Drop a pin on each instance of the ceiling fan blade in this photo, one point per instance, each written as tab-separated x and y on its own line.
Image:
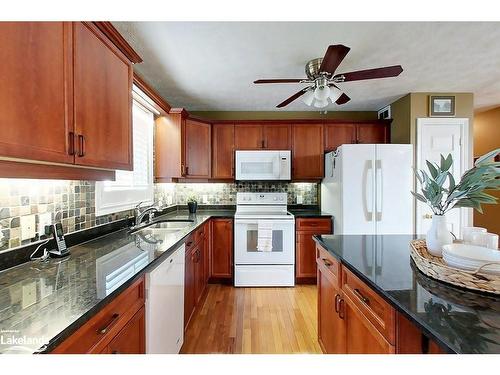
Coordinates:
333	57
388	71
292	98
342	99
290	80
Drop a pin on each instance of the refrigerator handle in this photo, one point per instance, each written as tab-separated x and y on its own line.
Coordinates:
367	192
378	190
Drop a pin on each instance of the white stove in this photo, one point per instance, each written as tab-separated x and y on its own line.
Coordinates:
264	240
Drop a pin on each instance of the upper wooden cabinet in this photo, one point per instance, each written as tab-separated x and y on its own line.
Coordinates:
307	150
35	100
182	147
223	151
339	133
269	136
103	100
197	149
65	96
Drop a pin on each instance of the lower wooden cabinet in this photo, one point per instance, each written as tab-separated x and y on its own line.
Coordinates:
131	339
305	247
221	256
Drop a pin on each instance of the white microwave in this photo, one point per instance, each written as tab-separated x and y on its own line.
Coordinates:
263	165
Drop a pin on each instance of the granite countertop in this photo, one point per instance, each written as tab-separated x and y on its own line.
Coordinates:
460	321
41	304
308	212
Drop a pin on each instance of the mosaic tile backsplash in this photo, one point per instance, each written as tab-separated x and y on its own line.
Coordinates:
73	202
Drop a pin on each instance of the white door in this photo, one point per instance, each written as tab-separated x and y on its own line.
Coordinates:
393	184
436	137
358	193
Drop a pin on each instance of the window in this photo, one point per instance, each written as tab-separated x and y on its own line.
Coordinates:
131	187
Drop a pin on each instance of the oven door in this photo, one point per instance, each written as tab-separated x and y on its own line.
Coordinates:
245	243
263	165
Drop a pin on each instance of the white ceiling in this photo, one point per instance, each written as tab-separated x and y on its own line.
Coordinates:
208	66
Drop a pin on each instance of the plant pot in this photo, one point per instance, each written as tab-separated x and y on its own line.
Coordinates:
192	206
438	236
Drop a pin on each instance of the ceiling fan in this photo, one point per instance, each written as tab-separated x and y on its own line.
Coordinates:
322	79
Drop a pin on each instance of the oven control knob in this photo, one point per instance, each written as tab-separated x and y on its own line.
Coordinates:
281	198
275	198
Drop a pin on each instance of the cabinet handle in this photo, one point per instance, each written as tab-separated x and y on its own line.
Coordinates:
112	321
341	308
183	170
71	142
187	169
81	145
326	262
262	144
189	243
337	298
361	296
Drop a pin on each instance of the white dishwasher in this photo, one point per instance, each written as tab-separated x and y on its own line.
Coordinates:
165	305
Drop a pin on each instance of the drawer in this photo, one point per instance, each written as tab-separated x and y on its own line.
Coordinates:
328	264
316	225
371	304
95	334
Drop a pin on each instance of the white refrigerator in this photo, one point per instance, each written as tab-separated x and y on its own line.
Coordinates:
367	189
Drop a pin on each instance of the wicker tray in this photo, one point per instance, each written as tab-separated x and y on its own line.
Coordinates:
437	269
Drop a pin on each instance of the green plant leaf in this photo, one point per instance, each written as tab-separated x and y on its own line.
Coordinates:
432	169
452	181
486	157
420	197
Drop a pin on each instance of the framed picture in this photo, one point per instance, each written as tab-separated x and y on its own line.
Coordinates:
441	106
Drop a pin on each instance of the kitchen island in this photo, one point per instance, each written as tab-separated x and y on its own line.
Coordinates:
377	275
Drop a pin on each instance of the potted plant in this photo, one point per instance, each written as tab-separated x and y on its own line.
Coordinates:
469	192
192	204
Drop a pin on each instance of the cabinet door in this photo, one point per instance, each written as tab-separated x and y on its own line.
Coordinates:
36	91
198	149
248	137
189	286
199	272
331	329
223	151
307	151
222	248
361	336
131	339
339	134
277	136
305	255
372	133
206	251
102	101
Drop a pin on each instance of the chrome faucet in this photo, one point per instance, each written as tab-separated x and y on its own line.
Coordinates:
139	215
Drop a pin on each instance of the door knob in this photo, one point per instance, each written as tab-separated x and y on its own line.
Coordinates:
427	216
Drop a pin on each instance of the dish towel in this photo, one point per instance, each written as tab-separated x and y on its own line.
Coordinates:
264	235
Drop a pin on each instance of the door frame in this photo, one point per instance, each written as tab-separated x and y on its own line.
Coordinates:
466	214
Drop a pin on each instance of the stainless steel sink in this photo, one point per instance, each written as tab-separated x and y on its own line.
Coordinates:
165	226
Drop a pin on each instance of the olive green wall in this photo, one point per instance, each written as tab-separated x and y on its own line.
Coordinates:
284	115
400	127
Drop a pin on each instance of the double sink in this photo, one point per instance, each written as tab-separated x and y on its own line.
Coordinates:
164	226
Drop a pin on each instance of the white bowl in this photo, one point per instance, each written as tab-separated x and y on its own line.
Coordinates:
490	269
472	253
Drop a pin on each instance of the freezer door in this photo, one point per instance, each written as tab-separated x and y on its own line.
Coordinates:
358	193
394	202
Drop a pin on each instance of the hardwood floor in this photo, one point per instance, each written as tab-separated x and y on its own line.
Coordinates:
255	320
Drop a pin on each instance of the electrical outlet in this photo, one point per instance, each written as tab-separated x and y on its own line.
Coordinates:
29	294
204	199
43	220
28	229
300	199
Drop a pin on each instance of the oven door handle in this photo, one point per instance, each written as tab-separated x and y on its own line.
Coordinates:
255	222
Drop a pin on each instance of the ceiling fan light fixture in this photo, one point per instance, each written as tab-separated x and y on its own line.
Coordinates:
321	93
321	103
335	93
308	97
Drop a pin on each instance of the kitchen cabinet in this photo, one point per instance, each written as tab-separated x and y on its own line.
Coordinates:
110	329
305	247
268	136
221	257
338	133
223	151
131	339
66	99
182	147
307	152
331	328
102	101
189	285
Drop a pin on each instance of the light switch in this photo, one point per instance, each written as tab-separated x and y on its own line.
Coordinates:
28	229
43	220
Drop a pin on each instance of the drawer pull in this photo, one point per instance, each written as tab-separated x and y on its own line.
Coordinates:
361	296
189	243
106	328
327	263
341	308
337	298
